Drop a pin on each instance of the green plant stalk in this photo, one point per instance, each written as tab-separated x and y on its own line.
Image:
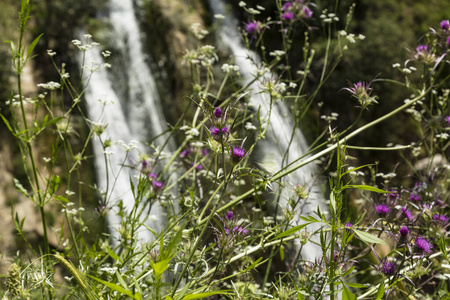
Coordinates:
325	151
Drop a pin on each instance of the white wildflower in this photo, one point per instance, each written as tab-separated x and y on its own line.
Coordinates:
49	85
242	4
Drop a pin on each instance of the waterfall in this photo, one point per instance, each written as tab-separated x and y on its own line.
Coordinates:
279	133
131	113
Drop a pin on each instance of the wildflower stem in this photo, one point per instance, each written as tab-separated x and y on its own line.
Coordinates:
325	151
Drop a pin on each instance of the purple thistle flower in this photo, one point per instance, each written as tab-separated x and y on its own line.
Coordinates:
205	152
225	130
423	246
237	153
392	195
240	230
407	213
404	231
157	184
215	131
388	268
252	28
445	24
218	112
286	5
153	175
348	225
382	209
308	12
287	16
185	153
229	215
421	49
415	197
198	167
144	163
227	231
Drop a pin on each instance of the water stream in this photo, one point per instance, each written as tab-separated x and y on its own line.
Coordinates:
133	112
271	149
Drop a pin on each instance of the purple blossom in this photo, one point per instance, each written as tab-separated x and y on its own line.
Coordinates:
388	268
205	152
157	184
445	24
441	218
237	153
240	230
153	175
421	49
286	6
219	132
448	41
218	112
229	215
308	12
404	231
252	28
382	209
198	167
185	153
407	213
144	163
287	16
415	196
348	225
423	246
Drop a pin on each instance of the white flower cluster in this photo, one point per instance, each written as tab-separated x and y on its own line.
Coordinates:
229	68
198	31
332	117
328	17
351	37
204	55
128	147
16	101
49	85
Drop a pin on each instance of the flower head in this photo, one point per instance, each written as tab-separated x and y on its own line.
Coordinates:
362	92
288	15
404	231
252	28
217	112
423	246
237	153
407	213
308	12
424	54
229	215
388	268
286	6
445	24
382	209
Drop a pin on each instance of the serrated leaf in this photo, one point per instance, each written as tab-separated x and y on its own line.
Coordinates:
369	238
347	295
366	188
291	231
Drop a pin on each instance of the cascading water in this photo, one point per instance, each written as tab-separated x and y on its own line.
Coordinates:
281	125
134	115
